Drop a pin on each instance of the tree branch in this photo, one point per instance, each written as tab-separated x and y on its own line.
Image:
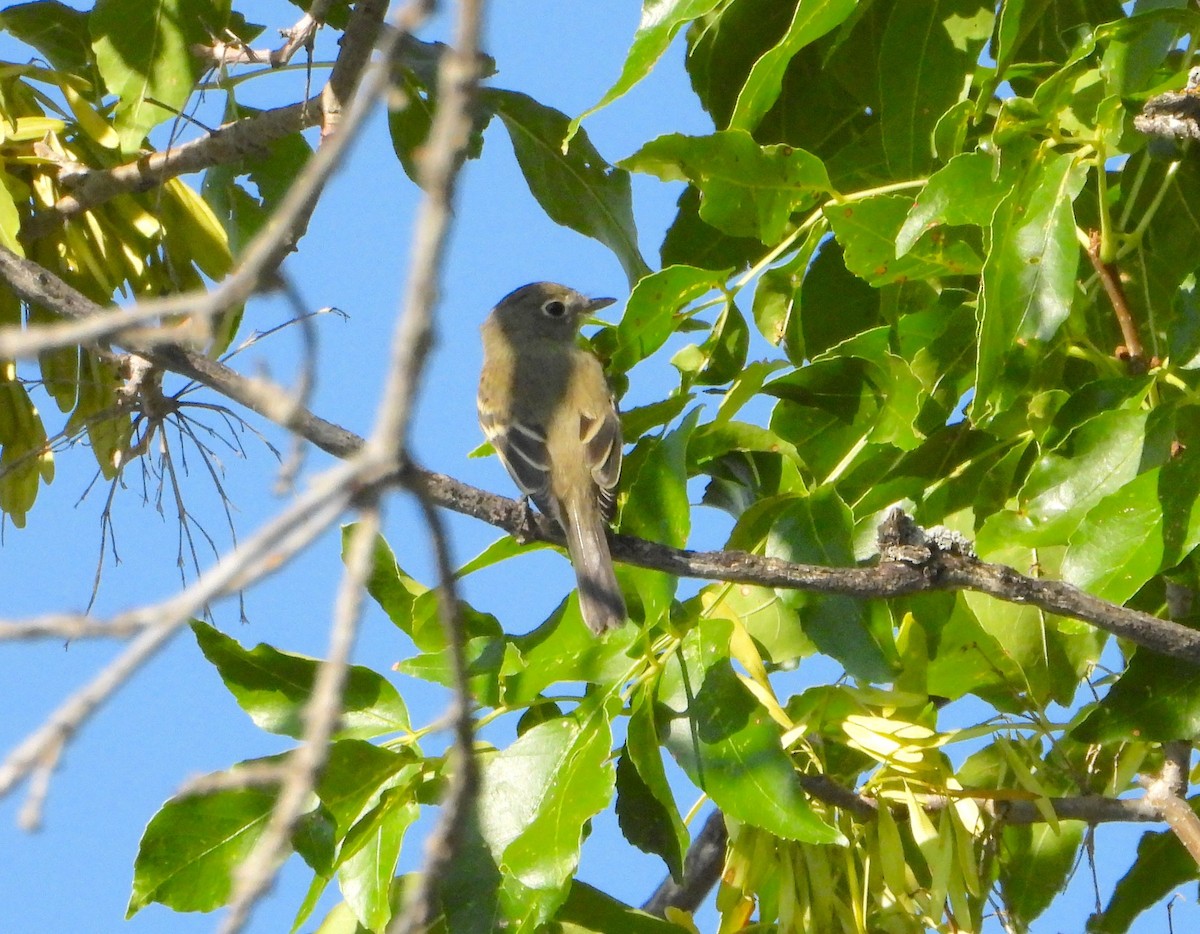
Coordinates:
233	141
932	569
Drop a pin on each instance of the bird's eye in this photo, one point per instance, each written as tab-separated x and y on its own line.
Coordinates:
554	308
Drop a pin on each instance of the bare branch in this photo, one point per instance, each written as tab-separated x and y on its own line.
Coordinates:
701	871
446	840
261	554
255	875
237	53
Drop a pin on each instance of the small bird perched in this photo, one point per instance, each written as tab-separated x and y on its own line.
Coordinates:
546	407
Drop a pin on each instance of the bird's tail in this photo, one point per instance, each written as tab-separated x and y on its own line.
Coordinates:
600	597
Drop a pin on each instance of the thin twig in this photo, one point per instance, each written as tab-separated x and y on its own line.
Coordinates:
296	38
255	875
446	840
259	555
1110	278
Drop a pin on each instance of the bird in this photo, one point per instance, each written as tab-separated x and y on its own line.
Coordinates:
546	407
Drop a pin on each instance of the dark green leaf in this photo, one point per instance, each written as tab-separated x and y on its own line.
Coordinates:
1037	866
590	911
692	242
1157	699
835	305
57	32
578	189
927	51
274	688
1162	864
818	529
646	809
811	20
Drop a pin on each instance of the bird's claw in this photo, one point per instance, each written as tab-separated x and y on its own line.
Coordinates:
523	533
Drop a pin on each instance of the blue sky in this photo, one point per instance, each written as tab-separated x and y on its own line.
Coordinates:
175	720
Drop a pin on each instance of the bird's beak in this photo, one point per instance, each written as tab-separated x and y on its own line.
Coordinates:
594	305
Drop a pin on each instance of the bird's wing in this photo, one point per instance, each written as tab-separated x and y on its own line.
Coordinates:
600	434
521	448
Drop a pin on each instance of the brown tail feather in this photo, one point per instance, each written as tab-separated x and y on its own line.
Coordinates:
600	597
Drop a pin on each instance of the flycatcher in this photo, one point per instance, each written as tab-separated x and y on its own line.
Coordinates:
546	407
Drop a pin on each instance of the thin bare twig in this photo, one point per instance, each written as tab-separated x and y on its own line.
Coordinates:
255	875
296	38
276	240
261	554
446	840
1110	278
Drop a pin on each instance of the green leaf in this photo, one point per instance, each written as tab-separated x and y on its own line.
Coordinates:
726	742
57	32
774	625
391	588
365	875
536	795
646	809
274	687
143	51
777	296
590	911
356	774
1162	864
811	20
1156	699
578	188
655	506
868	231
661	20
746	190
1037	864
966	190
818	529
722	355
638	421
1118	546
650	314
1029	275
193	845
554	652
1101	456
